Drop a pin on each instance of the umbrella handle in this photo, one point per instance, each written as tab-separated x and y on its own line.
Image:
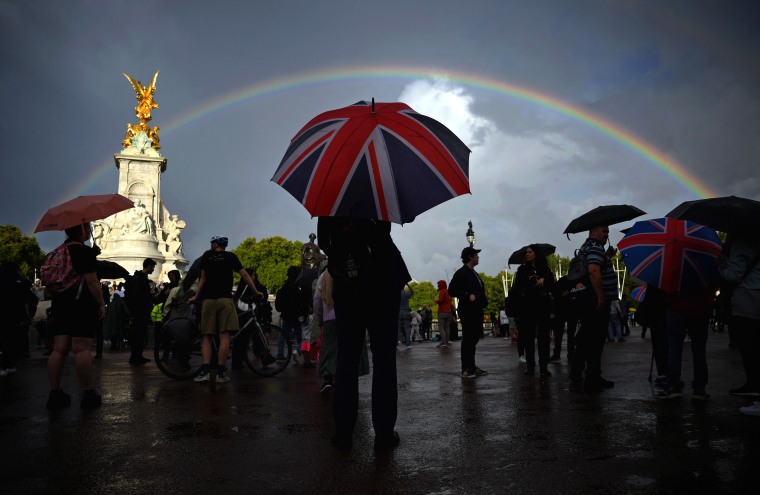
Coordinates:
373	105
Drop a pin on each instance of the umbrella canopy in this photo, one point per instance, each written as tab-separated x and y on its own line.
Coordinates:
637	294
518	257
603	215
672	255
728	214
379	161
111	270
81	210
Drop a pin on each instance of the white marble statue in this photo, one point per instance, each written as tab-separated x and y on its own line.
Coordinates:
173	229
140	221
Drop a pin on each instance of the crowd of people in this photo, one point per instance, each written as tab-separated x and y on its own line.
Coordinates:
322	306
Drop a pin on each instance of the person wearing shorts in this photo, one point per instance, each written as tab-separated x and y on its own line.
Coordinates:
218	315
77	313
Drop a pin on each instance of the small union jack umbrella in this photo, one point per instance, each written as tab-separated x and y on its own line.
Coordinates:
672	255
379	161
637	294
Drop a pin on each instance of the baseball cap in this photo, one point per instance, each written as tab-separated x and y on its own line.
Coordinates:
467	252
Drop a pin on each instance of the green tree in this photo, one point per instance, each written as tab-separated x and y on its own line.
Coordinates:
20	249
423	293
271	257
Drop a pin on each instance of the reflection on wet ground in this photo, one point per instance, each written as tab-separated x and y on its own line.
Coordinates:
502	433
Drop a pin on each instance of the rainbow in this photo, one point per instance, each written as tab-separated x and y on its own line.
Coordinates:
298	81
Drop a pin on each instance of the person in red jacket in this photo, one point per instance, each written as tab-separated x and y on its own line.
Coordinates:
444	313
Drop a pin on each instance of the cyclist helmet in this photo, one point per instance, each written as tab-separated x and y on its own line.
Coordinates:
222	241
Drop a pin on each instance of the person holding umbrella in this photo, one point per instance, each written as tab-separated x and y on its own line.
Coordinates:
533	283
365	266
589	342
77	311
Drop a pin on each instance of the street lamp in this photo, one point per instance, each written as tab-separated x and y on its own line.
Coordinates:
470	235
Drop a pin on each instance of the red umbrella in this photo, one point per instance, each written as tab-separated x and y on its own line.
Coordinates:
379	161
82	210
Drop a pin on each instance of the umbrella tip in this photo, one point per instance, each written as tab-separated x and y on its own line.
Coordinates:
373	104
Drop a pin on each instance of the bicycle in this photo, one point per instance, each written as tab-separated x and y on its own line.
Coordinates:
177	348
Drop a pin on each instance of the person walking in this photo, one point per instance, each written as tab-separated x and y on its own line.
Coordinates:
533	283
566	320
293	303
218	313
140	303
77	310
589	341
365	266
324	311
467	286
444	313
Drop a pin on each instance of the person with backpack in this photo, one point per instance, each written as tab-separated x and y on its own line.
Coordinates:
140	303
69	273
15	293
594	315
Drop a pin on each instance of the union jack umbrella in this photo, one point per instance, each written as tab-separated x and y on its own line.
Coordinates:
379	161
672	255
638	293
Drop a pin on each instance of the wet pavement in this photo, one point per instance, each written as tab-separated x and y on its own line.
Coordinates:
501	433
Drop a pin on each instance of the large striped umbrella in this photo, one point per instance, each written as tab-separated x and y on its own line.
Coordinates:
379	161
672	255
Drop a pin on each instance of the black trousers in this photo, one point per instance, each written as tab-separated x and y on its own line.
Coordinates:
138	335
353	318
589	344
535	327
747	337
659	336
472	329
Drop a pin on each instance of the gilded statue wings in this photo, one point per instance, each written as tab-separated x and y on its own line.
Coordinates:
141	91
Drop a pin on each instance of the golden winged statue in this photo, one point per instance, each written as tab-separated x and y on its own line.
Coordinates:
142	112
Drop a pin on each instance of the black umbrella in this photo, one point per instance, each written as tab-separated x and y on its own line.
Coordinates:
111	270
727	214
518	257
603	215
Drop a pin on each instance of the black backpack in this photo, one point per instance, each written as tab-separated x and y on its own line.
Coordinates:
582	295
289	300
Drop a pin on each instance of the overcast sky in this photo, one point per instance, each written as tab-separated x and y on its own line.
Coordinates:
681	78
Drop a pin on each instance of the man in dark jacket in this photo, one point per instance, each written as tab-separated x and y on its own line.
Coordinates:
140	303
468	288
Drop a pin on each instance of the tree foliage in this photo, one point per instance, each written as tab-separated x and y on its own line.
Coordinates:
423	294
271	257
20	249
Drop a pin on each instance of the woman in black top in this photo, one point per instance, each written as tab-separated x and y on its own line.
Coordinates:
533	283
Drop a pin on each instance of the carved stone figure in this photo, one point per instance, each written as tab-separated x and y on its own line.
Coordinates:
173	229
140	221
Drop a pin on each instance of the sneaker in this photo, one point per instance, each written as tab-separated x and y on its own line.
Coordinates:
753	410
480	372
670	393
90	400
222	377
203	376
606	383
745	391
523	359
281	359
699	395
468	374
58	399
661	381
326	387
444	346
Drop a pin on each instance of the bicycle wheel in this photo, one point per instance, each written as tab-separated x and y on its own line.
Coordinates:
262	355
177	349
